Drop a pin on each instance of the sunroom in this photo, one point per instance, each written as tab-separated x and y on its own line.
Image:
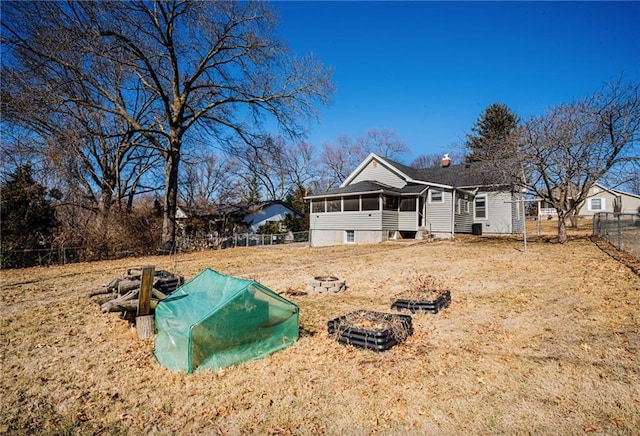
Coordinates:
366	212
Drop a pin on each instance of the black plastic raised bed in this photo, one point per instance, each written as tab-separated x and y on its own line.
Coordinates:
433	306
386	331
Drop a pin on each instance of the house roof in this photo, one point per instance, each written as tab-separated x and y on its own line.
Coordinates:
616	191
369	187
255	207
240	210
469	175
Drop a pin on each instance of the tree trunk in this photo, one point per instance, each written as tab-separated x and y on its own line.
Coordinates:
171	195
104	208
562	228
573	219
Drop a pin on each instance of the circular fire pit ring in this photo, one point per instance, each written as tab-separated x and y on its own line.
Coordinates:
322	284
326	278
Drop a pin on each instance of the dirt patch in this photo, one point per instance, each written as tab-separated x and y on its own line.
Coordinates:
545	341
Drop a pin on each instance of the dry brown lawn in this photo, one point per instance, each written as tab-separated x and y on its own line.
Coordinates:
542	342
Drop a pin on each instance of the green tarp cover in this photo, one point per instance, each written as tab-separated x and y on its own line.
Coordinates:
214	321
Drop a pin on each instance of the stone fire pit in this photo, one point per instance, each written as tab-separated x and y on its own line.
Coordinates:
321	284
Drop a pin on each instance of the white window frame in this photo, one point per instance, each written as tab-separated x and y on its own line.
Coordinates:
462	206
602	204
431	200
486	208
350	236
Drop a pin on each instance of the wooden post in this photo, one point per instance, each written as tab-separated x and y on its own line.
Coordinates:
144	321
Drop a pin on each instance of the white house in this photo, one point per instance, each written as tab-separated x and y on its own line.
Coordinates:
268	212
382	199
600	199
251	215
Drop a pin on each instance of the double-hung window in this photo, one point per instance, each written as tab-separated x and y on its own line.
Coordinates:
480	207
436	196
596	204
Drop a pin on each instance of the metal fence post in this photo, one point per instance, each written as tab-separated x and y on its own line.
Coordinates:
620	232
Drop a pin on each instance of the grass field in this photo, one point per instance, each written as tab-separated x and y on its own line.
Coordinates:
542	342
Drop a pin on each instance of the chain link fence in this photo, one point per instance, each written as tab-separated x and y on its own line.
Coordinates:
621	230
65	255
240	240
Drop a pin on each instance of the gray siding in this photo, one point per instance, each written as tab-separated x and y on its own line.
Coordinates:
367	220
630	204
499	219
439	214
463	220
389	220
408	221
379	173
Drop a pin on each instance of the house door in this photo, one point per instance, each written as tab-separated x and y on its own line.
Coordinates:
421	212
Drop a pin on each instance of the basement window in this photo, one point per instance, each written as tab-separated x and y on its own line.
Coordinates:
350	236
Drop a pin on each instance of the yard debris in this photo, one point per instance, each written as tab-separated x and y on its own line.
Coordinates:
121	294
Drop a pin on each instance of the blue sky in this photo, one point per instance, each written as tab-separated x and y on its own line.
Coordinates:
428	69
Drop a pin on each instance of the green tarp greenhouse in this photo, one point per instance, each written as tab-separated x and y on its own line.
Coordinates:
214	321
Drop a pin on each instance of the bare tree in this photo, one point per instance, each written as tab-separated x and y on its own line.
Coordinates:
383	142
434	160
303	167
208	179
96	154
210	65
567	150
339	160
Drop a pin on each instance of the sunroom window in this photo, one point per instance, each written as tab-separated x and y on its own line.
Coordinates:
318	206
351	204
390	203
370	202
408	204
333	205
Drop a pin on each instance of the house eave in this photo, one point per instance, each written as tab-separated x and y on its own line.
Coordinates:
379	191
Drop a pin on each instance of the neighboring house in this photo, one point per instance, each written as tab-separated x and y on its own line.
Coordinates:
600	199
252	215
214	220
268	212
382	199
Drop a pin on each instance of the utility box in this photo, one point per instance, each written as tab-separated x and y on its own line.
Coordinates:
476	229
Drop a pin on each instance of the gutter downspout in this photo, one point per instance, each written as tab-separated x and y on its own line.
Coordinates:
453	213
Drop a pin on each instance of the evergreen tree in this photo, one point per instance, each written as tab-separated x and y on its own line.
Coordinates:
27	219
491	134
296	201
253	194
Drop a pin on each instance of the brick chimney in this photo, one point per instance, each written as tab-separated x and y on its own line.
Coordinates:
446	161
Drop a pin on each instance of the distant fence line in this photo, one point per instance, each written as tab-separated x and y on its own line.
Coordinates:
621	230
185	243
65	255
